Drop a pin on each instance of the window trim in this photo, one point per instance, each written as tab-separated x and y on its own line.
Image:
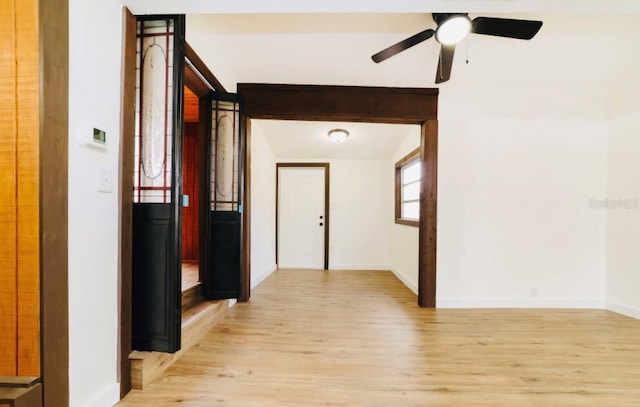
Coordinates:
407	159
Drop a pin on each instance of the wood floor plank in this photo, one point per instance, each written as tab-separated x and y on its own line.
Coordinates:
357	338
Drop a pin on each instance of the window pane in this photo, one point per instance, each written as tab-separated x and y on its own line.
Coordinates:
411	210
411	192
411	172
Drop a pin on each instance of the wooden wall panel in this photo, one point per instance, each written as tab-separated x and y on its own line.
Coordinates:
190	225
28	134
191	106
8	238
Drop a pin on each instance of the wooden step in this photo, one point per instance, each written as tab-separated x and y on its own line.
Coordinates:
20	391
146	367
192	296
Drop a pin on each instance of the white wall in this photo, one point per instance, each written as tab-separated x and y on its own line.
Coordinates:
359	208
359	213
623	182
403	239
516	172
94	101
263	207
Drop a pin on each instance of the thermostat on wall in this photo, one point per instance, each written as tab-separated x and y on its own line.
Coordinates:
89	136
99	136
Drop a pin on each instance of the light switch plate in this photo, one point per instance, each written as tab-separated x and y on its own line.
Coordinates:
105	180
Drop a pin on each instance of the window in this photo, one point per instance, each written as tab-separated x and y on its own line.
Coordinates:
407	207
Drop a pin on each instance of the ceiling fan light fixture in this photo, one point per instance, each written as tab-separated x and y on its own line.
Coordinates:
338	135
453	30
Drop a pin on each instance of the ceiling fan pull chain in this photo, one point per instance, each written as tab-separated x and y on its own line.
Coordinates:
467	44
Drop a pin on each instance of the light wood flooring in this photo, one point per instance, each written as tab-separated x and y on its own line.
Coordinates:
190	275
311	338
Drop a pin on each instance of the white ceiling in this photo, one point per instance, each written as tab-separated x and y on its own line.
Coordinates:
584	48
396	6
309	140
569	51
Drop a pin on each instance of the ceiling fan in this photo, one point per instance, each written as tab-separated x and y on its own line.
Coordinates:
453	28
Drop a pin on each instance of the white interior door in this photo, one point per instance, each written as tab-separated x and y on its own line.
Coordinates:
301	217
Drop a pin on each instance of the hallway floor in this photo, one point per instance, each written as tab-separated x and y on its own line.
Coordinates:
190	275
346	338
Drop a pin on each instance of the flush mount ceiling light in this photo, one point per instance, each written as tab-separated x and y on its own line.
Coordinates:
452	29
338	135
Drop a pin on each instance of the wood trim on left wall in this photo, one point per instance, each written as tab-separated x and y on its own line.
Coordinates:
127	129
54	195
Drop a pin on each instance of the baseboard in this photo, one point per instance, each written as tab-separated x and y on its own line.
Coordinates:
108	398
413	287
259	277
585	303
360	267
627	310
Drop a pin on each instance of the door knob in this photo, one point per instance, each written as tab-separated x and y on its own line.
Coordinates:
321	217
321	224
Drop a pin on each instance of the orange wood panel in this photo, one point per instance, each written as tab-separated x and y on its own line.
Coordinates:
191	106
190	186
28	136
8	238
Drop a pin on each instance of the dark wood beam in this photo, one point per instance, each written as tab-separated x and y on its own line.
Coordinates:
245	268
194	83
191	55
428	214
339	103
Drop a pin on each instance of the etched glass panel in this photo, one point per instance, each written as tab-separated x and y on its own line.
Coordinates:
154	105
225	139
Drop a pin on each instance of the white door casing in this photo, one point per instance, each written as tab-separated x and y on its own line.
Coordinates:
301	217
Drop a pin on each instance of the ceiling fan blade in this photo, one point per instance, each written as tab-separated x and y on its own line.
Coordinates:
445	61
506	27
403	45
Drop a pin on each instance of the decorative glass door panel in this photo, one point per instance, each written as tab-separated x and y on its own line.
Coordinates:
154	111
225	150
156	183
225	215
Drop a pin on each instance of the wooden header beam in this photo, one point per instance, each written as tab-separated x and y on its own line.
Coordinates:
339	103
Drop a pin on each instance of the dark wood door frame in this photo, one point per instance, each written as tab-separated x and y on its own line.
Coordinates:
327	179
199	79
356	104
